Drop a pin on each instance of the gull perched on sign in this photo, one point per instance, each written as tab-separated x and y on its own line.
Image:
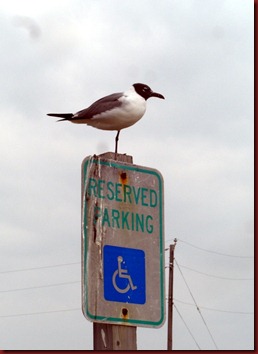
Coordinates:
114	112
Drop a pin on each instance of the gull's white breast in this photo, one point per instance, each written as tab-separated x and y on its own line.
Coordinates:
133	107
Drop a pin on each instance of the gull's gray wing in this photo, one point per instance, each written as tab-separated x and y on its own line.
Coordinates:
103	104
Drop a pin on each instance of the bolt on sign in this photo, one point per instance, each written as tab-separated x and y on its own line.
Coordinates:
122	242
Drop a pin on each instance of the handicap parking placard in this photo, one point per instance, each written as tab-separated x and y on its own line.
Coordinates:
124	275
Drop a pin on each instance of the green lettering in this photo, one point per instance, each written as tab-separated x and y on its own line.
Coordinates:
153	198
110	194
139	220
118	191
125	220
149	226
136	195
115	218
100	188
92	187
127	193
132	221
105	218
144	196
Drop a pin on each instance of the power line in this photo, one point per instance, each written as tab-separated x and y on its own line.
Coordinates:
217	310
186	326
78	308
35	268
78	281
39	313
39	287
214	276
197	307
215	252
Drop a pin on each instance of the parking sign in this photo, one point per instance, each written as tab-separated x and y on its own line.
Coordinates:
122	243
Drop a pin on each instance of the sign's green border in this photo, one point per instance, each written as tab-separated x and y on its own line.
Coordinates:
85	164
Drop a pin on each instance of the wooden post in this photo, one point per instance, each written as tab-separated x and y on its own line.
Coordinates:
170	296
108	336
113	337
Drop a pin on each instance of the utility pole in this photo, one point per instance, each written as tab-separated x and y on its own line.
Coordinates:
170	295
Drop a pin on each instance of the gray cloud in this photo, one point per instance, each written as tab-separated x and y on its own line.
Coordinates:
29	24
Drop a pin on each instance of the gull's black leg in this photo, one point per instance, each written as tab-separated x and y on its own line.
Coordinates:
117	138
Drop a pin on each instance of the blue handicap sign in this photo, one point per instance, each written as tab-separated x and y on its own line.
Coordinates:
124	274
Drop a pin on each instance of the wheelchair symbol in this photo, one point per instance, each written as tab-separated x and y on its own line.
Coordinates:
122	273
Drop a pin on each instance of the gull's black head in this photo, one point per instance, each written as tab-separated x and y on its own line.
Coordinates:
146	92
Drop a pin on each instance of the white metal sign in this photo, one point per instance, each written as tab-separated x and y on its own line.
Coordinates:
122	243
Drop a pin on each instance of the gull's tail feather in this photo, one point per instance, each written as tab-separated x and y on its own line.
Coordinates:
65	116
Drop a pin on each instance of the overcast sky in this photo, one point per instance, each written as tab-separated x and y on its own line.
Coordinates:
63	55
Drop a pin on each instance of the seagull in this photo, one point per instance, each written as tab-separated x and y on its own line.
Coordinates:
113	112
